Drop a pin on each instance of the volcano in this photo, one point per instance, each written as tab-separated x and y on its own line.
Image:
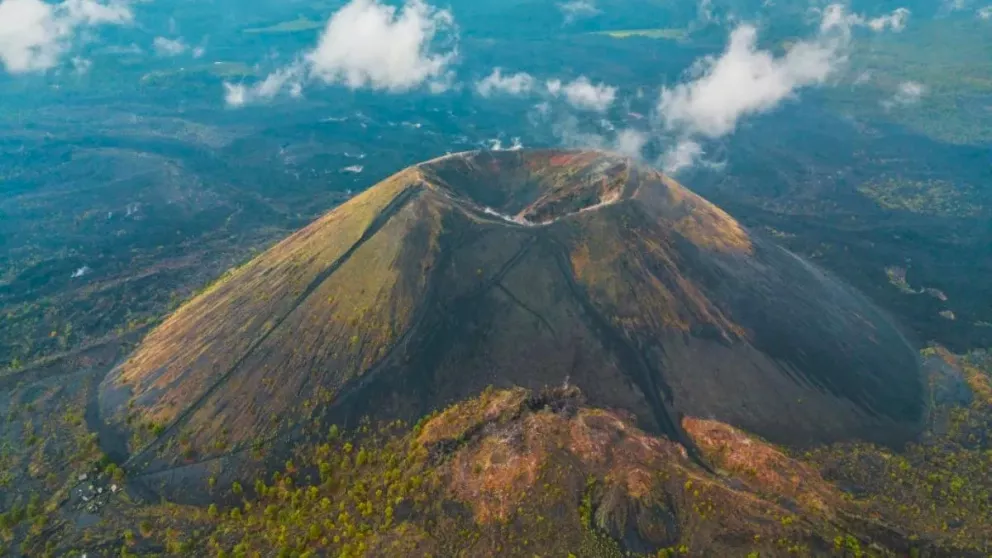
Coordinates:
526	268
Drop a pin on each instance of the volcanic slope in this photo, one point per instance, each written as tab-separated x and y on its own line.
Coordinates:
528	268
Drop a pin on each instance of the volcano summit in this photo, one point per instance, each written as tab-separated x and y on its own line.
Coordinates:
528	268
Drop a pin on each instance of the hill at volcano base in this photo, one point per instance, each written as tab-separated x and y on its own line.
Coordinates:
522	473
530	269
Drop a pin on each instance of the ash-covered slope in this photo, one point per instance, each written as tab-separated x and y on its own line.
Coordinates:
513	268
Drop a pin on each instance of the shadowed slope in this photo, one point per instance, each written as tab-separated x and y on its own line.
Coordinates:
525	268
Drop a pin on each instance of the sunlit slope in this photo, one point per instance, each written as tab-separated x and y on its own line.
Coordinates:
515	269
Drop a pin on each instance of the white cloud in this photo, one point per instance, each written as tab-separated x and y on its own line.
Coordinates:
581	133
951	6
578	9
573	132
718	91
496	144
514	84
908	93
744	81
864	77
371	45
34	35
580	93
835	17
80	272
704	11
684	154
91	12
235	95
631	142
583	94
895	21
169	47
368	44
911	91
287	80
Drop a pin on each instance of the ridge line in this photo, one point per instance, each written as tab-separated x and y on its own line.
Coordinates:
387	212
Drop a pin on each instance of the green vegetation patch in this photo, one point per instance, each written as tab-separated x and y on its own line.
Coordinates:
230	69
663	33
939	488
301	23
929	197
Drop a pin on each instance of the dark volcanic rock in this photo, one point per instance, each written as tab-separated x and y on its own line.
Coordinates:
516	268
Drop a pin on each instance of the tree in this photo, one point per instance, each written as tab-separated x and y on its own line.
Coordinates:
314	532
145	528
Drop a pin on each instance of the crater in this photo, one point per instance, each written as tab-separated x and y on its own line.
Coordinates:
533	187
